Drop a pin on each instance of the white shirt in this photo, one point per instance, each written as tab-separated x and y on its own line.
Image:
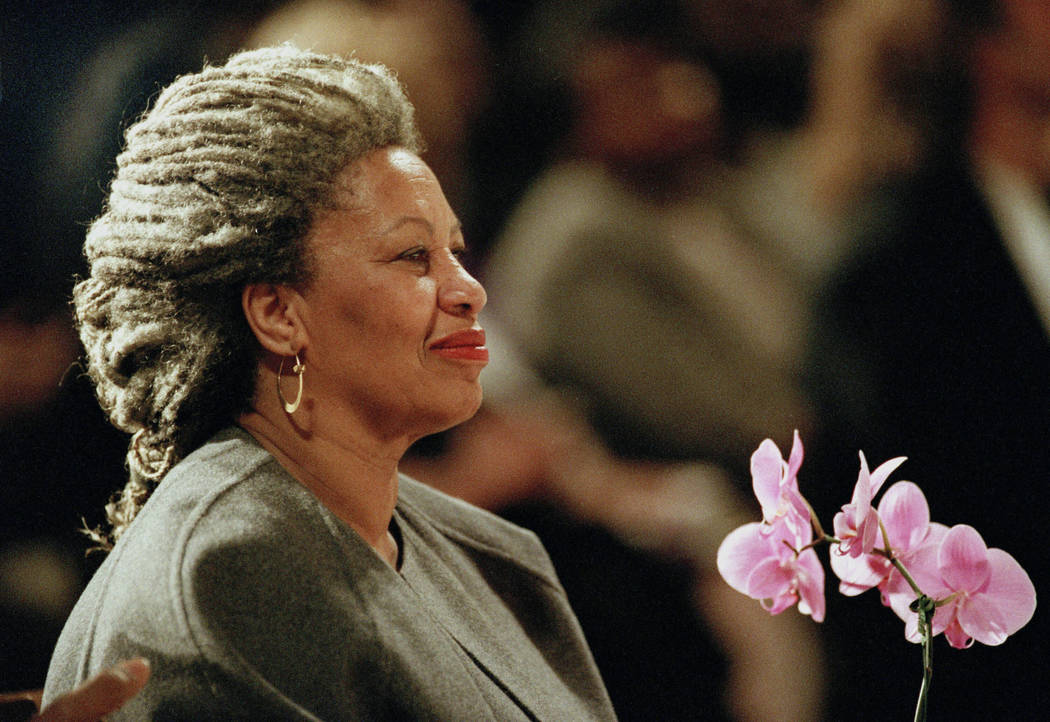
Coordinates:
1023	218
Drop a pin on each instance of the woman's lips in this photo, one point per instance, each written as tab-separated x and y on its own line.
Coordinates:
466	345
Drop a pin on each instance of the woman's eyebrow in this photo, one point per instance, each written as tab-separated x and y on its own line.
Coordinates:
457	226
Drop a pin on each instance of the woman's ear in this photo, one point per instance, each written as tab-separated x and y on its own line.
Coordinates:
272	311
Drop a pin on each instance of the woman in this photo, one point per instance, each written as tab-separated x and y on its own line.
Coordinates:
276	310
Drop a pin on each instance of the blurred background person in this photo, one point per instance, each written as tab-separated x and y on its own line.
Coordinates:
934	343
677	333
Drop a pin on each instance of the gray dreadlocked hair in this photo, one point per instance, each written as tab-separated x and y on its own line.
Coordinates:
216	188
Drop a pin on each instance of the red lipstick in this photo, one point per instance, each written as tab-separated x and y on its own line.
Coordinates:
465	345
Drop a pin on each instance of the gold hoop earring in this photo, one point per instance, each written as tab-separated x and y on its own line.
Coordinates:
297	369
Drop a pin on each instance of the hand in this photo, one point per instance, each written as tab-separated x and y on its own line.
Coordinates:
106	692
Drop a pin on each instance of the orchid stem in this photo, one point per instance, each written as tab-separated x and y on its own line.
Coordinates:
813	519
924	607
904	572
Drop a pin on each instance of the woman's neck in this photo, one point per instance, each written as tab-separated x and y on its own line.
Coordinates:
356	480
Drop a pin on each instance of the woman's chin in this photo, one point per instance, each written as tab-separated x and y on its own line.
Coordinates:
462	409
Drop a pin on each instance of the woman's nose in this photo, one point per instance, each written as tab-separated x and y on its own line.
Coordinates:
460	293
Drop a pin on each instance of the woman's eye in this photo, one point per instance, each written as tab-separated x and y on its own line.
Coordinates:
414	254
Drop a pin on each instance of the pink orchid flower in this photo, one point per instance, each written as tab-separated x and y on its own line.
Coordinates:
771	561
857	525
906	517
981	594
775	483
763	562
992	595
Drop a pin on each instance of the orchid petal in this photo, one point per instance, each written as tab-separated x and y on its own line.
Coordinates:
911	629
769	579
906	516
862	489
923	563
868	531
957	637
844	528
1011	585
803	528
963	559
799	510
795	459
858	574
810	575
944	616
882	472
766	470
1005	605
776	605
775	484
743	549
982	620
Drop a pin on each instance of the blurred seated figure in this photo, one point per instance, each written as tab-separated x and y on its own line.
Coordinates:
681	337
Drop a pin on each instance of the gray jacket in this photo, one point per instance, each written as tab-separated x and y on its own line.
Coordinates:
253	601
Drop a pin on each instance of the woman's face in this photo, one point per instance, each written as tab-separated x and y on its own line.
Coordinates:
391	316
